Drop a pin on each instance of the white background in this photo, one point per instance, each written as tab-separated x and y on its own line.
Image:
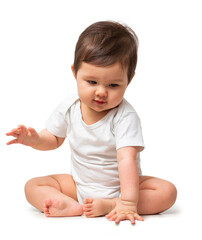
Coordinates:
36	52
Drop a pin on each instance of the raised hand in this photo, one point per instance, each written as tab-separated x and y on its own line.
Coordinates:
24	135
124	210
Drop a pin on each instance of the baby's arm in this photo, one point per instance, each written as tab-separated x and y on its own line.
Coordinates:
129	182
43	140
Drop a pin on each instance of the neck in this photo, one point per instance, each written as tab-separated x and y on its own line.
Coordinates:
89	116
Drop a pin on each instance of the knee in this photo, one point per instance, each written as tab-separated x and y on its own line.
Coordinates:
169	194
29	185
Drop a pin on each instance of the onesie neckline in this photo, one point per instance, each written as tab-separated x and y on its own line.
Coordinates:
96	124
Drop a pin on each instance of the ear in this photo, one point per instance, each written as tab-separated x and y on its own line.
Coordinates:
72	68
132	78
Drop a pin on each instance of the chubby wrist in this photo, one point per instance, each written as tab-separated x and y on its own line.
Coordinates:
130	196
36	144
127	202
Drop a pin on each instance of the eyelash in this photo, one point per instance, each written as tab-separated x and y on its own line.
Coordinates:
92	82
113	85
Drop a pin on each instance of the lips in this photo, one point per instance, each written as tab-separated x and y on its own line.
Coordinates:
99	102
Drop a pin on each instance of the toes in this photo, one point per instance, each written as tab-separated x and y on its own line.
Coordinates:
55	204
47	214
46	206
88	214
48	202
87	207
87	200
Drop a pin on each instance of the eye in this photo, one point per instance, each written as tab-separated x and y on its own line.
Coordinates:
113	85
92	82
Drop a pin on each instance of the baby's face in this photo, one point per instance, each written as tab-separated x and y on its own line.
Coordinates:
101	88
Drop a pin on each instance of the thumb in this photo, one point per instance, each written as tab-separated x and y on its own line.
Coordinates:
110	214
32	131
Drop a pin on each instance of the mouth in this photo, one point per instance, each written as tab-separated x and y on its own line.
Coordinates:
99	102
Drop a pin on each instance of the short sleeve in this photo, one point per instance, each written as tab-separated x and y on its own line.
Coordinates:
128	131
57	123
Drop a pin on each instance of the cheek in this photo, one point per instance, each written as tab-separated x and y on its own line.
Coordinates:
80	90
116	96
81	87
84	92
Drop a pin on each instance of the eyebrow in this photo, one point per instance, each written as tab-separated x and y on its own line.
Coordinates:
118	80
89	77
95	78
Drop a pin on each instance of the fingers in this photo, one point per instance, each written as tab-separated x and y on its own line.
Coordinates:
113	217
32	131
23	135
131	218
109	215
117	217
138	217
17	133
13	141
13	133
22	127
22	130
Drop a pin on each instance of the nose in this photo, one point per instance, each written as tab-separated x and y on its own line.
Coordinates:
101	92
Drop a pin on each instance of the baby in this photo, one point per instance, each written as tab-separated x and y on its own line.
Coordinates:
105	137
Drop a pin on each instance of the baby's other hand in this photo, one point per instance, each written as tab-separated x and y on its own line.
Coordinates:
23	135
124	210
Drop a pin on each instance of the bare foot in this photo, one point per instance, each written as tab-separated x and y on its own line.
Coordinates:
62	208
98	207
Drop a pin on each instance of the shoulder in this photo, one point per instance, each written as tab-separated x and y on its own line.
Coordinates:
123	110
57	122
127	127
60	112
65	105
125	106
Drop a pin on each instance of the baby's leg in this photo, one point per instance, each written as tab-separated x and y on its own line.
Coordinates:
155	195
54	195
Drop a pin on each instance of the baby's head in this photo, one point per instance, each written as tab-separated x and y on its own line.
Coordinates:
106	43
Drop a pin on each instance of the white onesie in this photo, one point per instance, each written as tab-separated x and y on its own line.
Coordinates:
93	147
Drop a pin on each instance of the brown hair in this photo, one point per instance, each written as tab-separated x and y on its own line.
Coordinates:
105	43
